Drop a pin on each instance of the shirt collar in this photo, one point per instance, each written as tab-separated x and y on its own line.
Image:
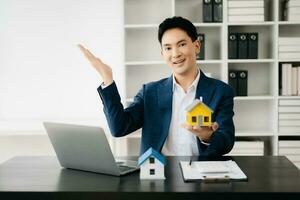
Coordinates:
194	84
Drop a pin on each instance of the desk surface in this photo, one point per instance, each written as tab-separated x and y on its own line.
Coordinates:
267	176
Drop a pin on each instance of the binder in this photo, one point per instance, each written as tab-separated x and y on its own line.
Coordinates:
217	10
242	45
201	54
242	82
207	10
252	45
232	46
233	80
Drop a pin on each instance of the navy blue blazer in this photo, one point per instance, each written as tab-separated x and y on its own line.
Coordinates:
151	110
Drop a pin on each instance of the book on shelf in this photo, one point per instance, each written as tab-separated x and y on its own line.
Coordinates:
289	80
283	116
293	3
288	109
293	17
289	151
289	122
252	45
212	10
289	129
289	48
246	11
201	54
242	46
289	41
289	55
245	3
232	46
242	83
207	10
294	80
289	102
232	81
298	87
246	18
238	80
289	143
293	10
255	144
217	10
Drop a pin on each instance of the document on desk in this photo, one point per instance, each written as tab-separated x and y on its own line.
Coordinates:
211	171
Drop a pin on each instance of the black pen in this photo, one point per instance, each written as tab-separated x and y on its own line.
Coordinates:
190	161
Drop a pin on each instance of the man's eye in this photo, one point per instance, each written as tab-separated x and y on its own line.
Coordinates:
182	44
167	48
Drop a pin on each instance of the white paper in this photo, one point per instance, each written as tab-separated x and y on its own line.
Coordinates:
211	169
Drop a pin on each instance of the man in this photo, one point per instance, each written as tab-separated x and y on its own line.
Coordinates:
158	108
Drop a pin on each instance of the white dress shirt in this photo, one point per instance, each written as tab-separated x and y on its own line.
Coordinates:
181	142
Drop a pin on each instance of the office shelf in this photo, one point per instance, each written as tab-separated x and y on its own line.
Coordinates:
256	115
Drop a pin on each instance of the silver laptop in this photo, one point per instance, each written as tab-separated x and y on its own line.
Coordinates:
86	148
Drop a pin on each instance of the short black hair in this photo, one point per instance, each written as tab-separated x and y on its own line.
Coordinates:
177	22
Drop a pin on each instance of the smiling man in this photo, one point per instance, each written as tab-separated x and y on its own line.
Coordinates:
158	108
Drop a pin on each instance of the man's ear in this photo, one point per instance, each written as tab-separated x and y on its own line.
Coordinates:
197	46
161	52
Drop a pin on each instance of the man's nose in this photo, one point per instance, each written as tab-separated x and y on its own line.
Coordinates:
176	53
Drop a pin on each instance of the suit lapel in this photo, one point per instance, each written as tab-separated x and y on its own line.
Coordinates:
165	97
205	89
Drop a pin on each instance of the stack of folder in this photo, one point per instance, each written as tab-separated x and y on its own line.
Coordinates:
212	10
243	45
238	80
290	149
291	10
289	116
246	11
247	148
289	48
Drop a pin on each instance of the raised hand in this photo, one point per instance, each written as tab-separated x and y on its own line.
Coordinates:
104	70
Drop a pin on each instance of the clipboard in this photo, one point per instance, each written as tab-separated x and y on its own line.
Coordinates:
223	171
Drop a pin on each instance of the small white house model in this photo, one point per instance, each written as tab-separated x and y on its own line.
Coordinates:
152	165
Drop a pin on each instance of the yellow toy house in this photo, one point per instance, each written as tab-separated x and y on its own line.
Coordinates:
197	113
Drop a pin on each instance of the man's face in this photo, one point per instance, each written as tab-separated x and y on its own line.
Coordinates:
179	51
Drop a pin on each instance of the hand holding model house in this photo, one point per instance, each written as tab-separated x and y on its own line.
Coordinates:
198	120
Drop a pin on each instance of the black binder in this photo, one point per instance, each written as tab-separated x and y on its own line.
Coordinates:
252	45
201	38
232	80
242	83
242	46
217	10
207	11
232	46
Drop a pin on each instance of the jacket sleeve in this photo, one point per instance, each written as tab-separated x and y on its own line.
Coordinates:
222	140
121	121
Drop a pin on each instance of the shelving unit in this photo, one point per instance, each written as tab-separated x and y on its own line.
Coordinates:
256	115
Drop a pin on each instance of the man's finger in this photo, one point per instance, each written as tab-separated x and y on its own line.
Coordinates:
88	54
215	126
84	51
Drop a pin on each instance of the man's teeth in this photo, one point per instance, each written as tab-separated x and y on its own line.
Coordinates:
180	61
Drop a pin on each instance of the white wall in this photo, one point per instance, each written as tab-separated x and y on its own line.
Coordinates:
43	75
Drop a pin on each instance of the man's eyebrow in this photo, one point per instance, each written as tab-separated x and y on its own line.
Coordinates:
183	40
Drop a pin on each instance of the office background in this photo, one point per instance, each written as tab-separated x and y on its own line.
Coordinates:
44	77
